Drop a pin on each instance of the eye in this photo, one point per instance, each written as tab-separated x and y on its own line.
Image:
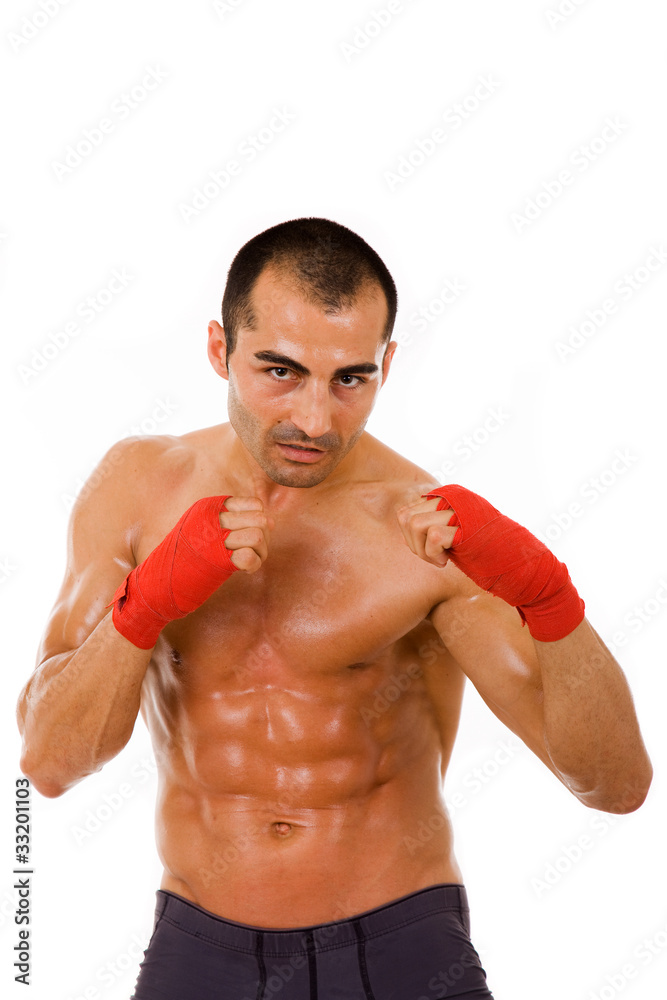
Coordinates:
282	374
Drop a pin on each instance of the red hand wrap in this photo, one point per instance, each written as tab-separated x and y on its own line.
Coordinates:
505	559
188	565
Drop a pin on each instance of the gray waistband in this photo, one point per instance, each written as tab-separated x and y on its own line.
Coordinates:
201	923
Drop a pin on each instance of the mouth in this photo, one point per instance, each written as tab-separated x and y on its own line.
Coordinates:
299	453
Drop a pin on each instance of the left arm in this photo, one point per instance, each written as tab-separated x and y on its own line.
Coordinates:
568	700
591	728
554	683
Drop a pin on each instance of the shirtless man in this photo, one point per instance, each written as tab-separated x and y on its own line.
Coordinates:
298	647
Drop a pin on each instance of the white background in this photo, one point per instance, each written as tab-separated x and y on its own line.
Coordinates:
458	218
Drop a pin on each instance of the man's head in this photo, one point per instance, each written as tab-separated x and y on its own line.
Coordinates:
308	311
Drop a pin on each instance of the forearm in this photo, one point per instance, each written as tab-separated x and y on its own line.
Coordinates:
590	726
78	710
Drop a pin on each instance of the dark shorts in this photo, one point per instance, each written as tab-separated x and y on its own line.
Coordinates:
415	948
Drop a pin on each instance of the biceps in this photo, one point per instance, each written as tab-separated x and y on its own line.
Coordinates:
80	606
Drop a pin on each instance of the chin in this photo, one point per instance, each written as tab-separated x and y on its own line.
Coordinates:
297	475
297	478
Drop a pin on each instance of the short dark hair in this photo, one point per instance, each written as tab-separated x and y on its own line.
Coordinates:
330	265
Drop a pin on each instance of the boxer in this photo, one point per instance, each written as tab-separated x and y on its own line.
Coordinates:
294	608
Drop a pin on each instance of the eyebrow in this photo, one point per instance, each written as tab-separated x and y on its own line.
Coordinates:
365	367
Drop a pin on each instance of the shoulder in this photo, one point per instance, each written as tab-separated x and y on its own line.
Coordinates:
134	474
130	466
158	460
392	478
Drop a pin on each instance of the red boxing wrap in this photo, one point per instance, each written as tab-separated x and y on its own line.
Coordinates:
505	559
188	565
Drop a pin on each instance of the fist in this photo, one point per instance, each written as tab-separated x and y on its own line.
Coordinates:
426	530
249	529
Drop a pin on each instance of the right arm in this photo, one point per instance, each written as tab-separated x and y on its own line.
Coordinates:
78	708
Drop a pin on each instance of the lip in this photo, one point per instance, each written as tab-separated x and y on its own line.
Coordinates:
297	454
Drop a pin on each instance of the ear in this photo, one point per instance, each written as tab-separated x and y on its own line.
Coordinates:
386	362
217	349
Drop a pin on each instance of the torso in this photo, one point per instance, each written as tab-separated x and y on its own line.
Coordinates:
304	716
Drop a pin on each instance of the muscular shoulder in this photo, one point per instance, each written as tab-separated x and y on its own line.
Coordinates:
136	475
134	465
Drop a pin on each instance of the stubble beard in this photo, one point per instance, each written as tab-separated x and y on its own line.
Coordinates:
260	443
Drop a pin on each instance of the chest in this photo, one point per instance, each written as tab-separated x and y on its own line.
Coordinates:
335	591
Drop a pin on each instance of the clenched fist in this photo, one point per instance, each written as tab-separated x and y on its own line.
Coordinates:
426	530
209	543
249	529
499	555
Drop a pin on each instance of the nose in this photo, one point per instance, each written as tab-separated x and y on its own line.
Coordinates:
311	408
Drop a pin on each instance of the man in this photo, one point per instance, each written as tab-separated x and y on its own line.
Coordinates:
295	619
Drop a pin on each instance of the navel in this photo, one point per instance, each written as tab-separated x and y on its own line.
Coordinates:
282	829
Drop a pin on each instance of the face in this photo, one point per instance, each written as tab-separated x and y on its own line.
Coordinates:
303	384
